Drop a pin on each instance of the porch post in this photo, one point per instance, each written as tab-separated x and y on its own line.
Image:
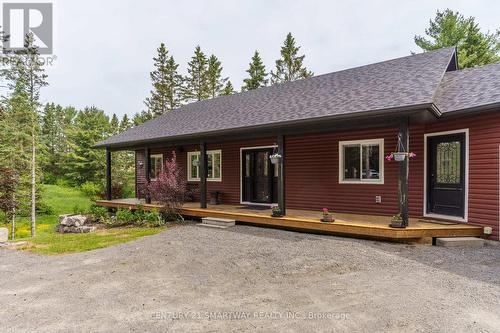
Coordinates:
403	172
281	174
202	165
108	175
147	170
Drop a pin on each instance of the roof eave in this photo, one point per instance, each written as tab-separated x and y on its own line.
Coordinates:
430	107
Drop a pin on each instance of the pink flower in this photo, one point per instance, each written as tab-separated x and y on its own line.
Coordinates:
412	155
325	209
389	157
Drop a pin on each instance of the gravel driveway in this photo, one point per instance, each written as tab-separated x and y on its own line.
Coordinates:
245	278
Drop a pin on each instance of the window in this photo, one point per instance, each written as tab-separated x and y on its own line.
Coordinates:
214	165
156	165
361	161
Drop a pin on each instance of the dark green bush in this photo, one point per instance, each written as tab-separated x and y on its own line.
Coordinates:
99	214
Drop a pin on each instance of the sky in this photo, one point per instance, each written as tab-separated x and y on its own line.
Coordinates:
104	49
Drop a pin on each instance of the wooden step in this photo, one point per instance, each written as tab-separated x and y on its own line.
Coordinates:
217	221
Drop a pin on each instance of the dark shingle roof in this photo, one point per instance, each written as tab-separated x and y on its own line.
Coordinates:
402	82
469	88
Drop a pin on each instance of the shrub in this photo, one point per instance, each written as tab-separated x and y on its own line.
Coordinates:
153	218
43	208
169	189
91	189
125	216
77	209
99	214
117	191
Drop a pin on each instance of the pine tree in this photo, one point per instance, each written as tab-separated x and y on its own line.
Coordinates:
449	28
257	76
84	162
26	67
290	66
114	125
167	84
141	118
125	123
196	85
215	81
228	89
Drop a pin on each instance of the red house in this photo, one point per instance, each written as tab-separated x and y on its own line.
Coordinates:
335	134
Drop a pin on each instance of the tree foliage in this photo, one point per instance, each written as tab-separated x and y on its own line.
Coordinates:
167	84
257	76
290	66
449	28
196	82
215	81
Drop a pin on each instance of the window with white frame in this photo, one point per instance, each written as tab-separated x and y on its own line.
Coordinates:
156	165
214	165
361	161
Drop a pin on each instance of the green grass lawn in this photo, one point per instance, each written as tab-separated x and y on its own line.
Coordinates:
65	200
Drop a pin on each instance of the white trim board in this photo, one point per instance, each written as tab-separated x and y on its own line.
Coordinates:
381	143
466	200
241	177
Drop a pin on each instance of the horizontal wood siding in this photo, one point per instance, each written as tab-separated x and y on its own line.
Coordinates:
312	174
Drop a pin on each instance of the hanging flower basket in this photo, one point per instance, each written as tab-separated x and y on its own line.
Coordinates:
399	156
275	158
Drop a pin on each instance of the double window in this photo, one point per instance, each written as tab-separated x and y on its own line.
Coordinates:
214	165
361	161
156	165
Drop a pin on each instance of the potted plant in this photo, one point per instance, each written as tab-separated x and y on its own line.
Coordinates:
397	221
327	216
276	211
399	156
275	158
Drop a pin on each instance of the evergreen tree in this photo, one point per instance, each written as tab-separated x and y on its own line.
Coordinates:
26	67
215	81
290	66
257	76
196	82
114	125
84	162
141	117
167	84
125	123
450	28
228	89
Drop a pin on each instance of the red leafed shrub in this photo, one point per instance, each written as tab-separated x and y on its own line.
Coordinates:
169	188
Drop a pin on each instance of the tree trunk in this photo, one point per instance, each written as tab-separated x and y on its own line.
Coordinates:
33	183
13	226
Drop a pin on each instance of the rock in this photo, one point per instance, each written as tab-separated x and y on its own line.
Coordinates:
4	235
72	220
74	229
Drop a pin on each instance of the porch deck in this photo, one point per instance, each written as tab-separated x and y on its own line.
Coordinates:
354	225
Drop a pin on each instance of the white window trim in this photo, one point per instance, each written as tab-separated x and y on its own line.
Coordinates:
466	203
152	157
197	153
379	142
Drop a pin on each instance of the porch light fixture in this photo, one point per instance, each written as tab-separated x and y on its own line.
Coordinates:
141	164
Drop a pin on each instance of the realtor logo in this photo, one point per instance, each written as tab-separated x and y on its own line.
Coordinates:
19	19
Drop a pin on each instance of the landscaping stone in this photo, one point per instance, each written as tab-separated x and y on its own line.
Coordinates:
72	223
471	242
4	235
72	220
74	229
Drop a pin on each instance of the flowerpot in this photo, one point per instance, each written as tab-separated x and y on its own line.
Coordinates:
396	223
328	219
275	160
277	214
399	157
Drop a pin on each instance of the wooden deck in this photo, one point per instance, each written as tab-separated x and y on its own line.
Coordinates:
354	225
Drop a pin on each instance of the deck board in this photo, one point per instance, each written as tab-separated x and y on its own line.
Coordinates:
356	225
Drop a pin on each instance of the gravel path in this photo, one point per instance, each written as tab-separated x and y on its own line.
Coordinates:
252	279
